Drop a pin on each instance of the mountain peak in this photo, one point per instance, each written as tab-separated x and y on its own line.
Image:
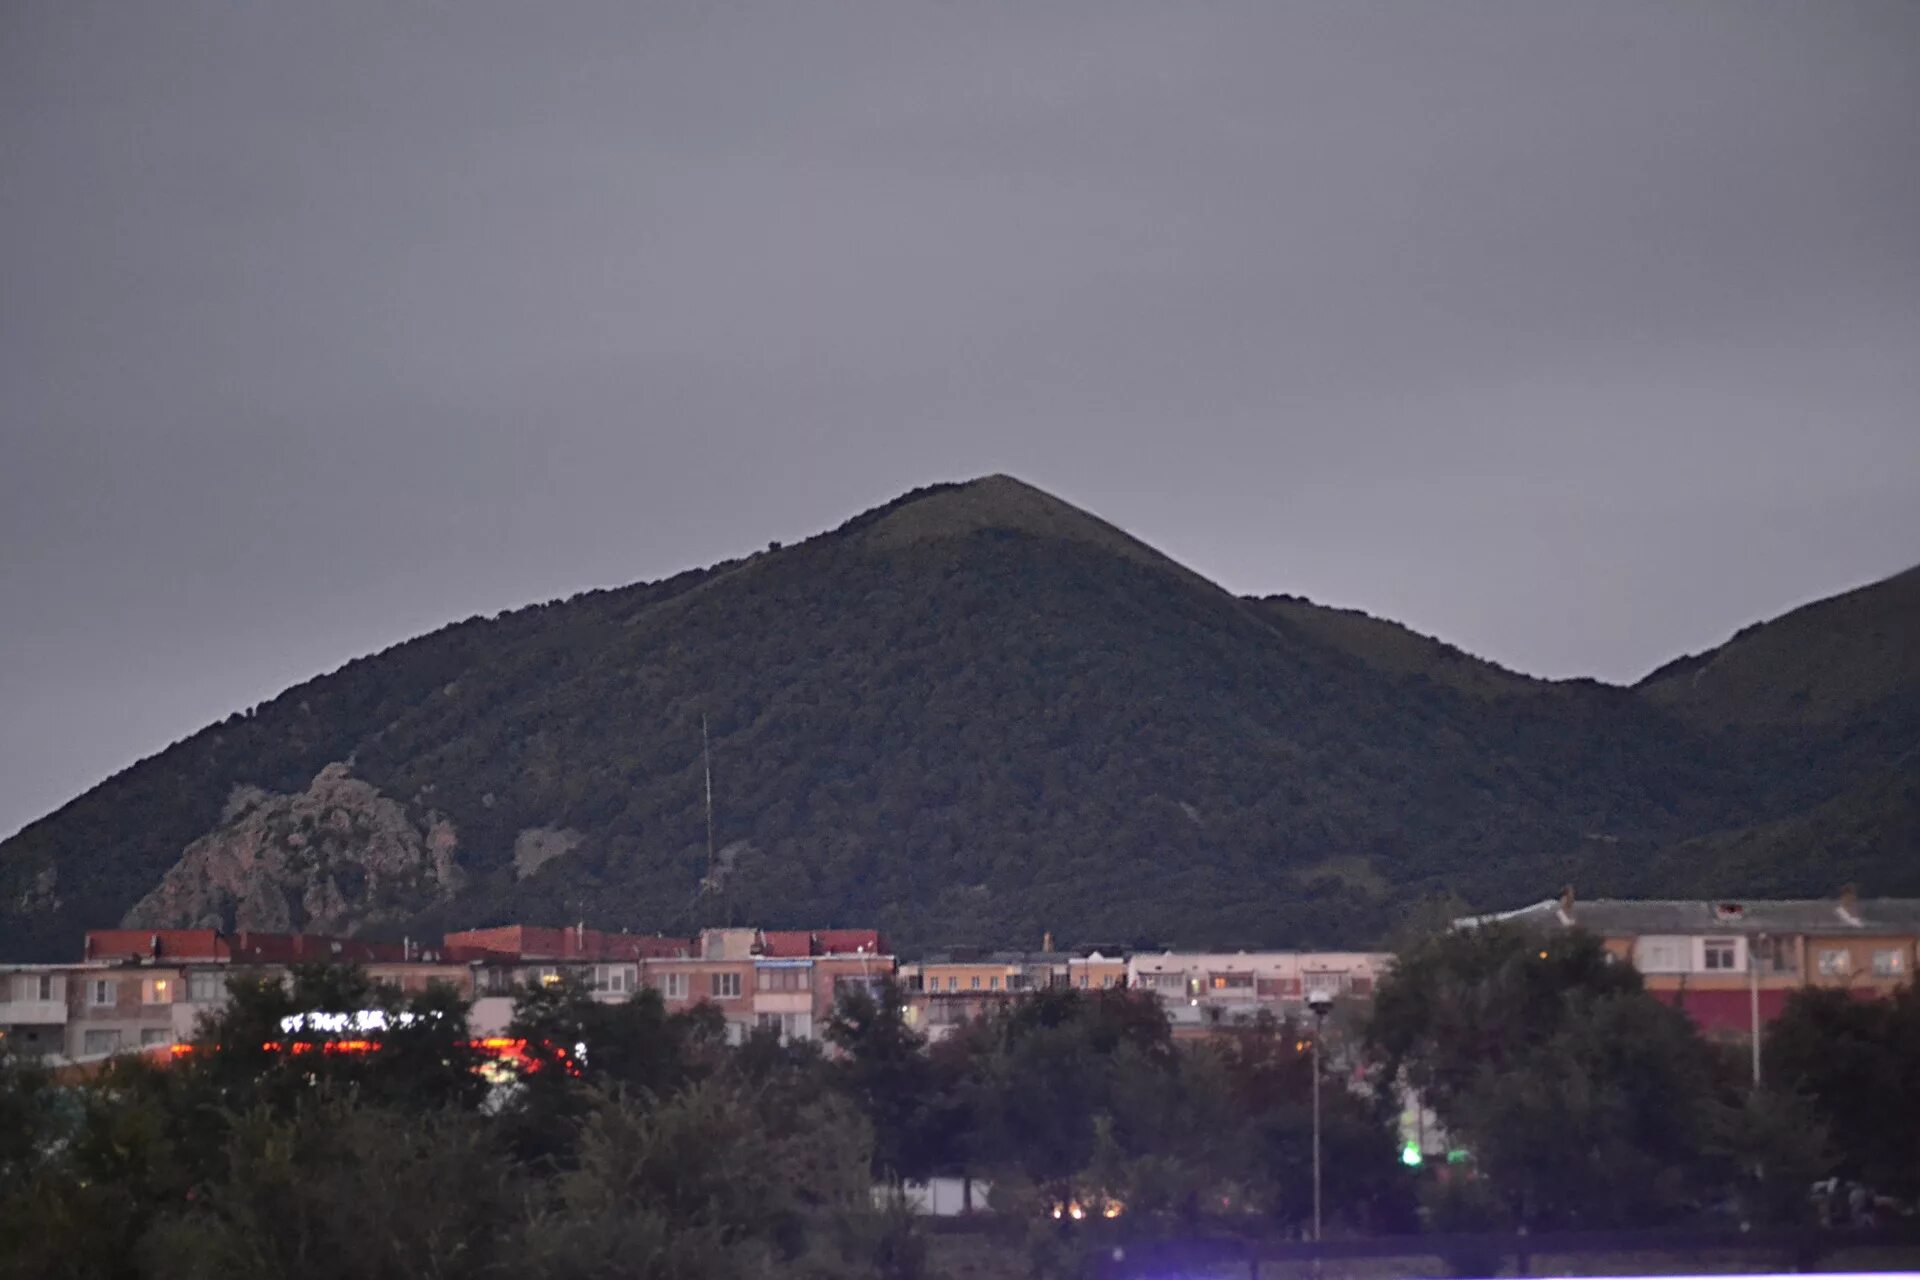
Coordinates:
1004	503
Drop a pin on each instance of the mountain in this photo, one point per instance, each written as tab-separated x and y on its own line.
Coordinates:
970	715
1825	663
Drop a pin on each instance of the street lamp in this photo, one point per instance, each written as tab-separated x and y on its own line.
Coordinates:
1320	1002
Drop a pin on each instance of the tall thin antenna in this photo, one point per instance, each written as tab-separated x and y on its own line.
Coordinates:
706	760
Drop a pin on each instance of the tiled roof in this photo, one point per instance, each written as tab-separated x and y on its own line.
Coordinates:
1614	917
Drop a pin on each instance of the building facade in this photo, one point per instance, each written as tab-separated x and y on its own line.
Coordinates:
1732	964
1206	990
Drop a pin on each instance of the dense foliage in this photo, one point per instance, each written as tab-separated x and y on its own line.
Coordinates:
1586	1102
635	1143
974	734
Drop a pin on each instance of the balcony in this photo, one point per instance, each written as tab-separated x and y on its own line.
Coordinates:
33	1013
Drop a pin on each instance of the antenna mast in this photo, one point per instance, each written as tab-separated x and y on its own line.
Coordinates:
706	760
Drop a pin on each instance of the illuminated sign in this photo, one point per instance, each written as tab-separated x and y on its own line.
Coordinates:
334	1024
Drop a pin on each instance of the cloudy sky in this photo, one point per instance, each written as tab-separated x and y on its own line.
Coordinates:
1579	334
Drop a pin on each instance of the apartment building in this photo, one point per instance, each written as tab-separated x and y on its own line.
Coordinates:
786	981
141	989
1205	990
1723	961
946	990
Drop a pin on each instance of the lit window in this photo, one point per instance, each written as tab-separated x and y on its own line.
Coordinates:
156	991
1718	954
1888	964
1835	963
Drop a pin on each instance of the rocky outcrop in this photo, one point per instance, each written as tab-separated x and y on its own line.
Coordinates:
535	847
331	859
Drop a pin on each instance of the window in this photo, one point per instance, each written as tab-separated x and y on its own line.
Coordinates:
788	1026
155	1035
1232	982
1329	983
726	986
103	991
1717	954
673	986
993	984
976	983
1835	963
100	1042
953	984
156	991
785	980
206	988
1661	955
614	978
1083	979
1888	964
1106	980
45	985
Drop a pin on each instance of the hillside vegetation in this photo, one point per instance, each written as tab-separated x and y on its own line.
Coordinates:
971	715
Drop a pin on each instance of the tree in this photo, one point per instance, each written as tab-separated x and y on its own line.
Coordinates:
884	1068
1855	1061
1267	1071
1583	1099
577	1046
273	1040
333	1186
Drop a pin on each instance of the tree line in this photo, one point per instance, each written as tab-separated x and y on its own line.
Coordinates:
632	1141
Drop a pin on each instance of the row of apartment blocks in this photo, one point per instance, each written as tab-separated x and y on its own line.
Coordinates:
1201	991
1719	960
136	989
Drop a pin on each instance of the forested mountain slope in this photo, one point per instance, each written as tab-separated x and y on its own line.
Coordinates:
973	714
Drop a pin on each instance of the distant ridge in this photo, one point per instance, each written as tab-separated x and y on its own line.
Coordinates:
1821	663
975	714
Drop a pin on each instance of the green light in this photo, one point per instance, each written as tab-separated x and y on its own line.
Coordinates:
1456	1156
1410	1155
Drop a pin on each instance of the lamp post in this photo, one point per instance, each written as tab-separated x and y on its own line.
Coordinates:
1753	997
1320	1002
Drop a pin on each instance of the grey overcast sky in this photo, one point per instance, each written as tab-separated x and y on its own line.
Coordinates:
1579	334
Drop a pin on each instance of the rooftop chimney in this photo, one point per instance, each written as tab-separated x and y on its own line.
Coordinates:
1046	942
1850	904
1566	905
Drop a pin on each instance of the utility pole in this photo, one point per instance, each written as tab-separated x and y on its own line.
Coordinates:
1319	1002
1753	998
